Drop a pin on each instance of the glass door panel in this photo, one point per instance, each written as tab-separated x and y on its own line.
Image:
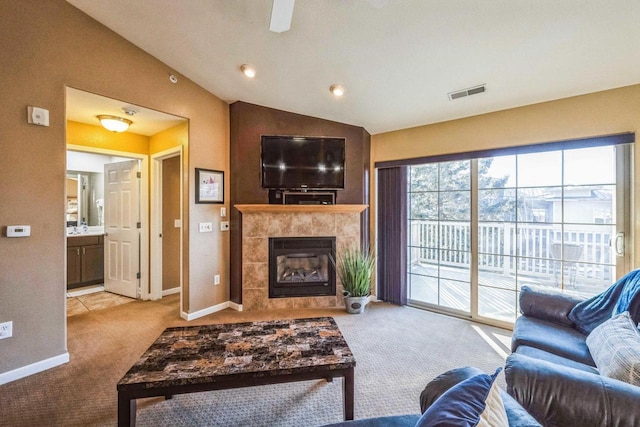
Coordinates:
439	255
497	211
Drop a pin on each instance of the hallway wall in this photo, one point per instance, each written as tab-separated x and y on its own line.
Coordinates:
46	46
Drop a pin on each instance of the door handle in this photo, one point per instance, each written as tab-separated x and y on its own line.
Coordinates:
619	248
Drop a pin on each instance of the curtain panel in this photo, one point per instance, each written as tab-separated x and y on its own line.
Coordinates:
392	235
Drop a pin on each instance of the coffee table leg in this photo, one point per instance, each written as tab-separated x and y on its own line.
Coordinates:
348	394
126	411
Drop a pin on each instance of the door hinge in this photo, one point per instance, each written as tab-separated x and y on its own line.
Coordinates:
139	174
138	276
138	225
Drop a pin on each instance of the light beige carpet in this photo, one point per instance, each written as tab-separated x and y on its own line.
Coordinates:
397	349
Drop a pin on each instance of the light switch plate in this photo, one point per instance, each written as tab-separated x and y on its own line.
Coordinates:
206	227
224	225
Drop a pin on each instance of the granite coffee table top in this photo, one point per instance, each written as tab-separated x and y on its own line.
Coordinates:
201	354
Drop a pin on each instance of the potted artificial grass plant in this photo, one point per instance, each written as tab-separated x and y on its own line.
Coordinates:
355	270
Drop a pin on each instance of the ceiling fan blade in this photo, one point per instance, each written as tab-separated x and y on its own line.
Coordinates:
281	15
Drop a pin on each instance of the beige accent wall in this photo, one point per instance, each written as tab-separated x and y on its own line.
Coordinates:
601	113
46	46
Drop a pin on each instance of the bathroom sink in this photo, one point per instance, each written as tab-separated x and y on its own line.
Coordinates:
91	231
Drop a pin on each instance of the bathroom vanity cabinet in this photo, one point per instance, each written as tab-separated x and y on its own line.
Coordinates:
85	260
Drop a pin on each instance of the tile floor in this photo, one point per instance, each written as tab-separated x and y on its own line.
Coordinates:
94	301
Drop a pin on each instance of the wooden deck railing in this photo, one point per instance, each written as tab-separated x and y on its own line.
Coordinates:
532	250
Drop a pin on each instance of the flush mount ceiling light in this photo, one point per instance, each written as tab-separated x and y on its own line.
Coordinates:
337	90
248	70
114	123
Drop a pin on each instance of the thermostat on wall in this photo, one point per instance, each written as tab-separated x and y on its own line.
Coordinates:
18	230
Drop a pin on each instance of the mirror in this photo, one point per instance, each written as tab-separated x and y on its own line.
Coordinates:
85	198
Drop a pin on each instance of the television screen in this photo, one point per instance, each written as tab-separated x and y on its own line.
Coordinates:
291	162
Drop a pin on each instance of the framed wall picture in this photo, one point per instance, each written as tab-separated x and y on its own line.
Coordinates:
209	186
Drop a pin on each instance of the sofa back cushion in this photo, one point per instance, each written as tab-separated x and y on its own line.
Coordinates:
615	348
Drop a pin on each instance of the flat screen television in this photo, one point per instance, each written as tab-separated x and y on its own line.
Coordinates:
293	162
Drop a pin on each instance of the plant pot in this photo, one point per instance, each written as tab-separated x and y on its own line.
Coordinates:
355	305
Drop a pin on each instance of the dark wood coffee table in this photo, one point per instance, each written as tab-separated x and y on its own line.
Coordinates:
214	357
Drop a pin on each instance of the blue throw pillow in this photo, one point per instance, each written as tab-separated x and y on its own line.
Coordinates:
461	405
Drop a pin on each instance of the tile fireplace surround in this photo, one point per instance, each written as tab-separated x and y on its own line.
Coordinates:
259	222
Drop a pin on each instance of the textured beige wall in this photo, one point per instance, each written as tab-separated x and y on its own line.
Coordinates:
601	113
46	46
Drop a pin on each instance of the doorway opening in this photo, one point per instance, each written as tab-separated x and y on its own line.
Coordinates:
152	135
166	223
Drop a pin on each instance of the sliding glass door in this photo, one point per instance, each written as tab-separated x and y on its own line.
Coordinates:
480	229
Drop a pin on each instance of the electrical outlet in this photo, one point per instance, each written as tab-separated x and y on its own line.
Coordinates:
6	330
224	225
216	279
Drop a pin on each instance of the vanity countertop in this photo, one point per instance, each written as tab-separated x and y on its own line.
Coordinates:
92	231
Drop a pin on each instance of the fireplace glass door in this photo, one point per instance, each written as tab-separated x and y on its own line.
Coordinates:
301	267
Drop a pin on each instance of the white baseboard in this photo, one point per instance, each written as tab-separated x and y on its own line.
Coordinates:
171	291
234	306
34	368
204	311
210	310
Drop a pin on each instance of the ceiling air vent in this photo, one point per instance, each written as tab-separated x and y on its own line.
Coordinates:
467	92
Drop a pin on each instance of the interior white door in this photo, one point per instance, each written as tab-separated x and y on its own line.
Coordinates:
122	235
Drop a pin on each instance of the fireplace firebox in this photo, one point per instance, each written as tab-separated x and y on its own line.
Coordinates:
302	266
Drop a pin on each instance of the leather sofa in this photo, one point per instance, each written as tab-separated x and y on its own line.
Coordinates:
516	415
551	372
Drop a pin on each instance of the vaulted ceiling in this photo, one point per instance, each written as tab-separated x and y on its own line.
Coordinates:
397	59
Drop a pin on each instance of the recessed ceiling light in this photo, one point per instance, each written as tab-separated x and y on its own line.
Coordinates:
337	90
248	70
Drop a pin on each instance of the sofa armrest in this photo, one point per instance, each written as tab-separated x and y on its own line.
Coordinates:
561	396
516	414
547	304
444	382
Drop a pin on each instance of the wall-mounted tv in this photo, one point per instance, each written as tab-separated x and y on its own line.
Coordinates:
294	162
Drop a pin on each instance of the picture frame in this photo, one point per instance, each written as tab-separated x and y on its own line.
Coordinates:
209	186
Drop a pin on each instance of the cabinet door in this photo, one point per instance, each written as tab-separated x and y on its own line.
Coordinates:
93	264
74	267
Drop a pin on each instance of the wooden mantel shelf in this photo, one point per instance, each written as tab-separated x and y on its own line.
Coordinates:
255	208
